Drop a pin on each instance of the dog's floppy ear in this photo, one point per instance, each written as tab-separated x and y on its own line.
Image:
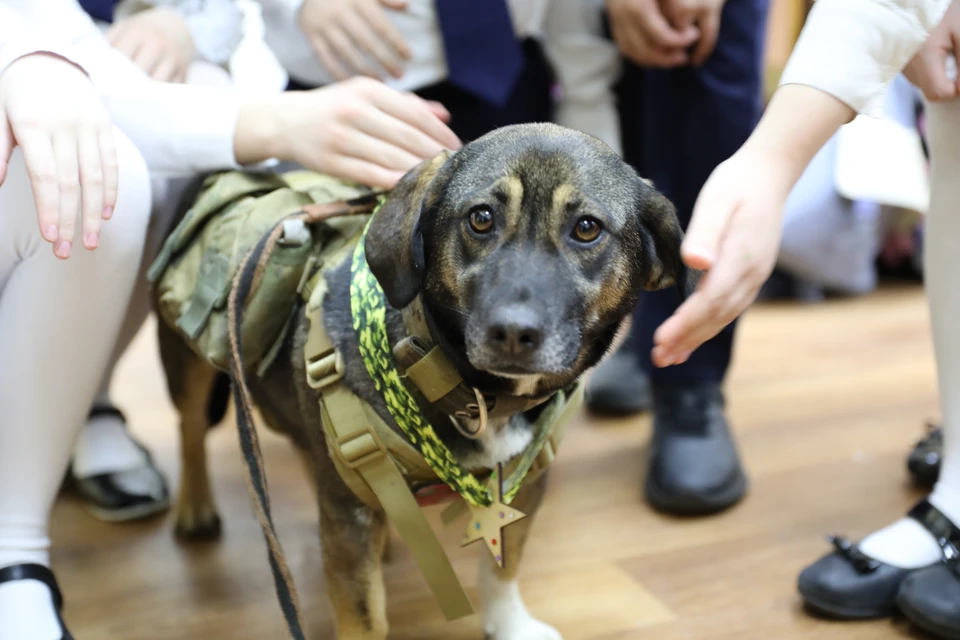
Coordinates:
394	244
661	234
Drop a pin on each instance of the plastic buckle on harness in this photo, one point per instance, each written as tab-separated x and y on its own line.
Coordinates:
360	448
324	370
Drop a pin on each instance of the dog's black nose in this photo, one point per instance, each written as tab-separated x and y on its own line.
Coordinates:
516	331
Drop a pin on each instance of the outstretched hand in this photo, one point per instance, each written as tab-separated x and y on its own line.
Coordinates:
733	236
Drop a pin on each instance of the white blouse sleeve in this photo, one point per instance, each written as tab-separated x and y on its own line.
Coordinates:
18	40
853	49
179	129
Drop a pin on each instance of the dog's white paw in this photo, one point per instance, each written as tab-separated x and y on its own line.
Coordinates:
521	627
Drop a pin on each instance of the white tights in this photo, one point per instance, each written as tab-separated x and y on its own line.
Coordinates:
105	446
905	543
58	324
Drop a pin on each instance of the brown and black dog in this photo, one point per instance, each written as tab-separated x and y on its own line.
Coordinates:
528	248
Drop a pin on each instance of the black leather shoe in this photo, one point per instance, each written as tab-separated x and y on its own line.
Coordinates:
849	585
694	465
42	574
618	387
923	463
120	496
930	599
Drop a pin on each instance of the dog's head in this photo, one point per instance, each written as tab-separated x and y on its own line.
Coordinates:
529	247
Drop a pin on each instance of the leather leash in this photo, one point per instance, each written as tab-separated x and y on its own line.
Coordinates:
245	283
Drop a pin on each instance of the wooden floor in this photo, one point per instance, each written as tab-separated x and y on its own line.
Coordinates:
826	401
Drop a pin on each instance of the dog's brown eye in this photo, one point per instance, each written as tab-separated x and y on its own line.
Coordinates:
586	230
481	220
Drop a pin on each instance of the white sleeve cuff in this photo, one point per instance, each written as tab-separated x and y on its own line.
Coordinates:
13	50
853	49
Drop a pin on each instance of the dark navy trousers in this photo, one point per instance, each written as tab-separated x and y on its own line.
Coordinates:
677	126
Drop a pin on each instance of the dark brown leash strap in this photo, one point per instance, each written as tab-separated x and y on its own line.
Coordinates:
246	281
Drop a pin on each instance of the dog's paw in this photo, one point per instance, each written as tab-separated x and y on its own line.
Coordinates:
524	627
197	524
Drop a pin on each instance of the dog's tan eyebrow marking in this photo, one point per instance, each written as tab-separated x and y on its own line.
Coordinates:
566	196
512	189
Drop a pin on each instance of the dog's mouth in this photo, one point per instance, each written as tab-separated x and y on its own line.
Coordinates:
514	371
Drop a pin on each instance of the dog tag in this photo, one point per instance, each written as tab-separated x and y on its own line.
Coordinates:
487	523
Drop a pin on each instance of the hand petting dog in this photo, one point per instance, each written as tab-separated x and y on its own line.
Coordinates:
359	130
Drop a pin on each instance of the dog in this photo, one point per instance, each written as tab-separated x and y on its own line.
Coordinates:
527	249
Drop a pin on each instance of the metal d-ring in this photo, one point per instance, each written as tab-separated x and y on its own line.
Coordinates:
480	408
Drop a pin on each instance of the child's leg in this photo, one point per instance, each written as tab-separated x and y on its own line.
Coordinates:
105	446
905	543
113	470
58	324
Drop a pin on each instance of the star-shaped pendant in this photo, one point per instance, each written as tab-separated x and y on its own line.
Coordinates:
487	523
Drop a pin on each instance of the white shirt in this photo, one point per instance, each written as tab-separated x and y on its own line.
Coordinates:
853	49
180	130
417	24
586	63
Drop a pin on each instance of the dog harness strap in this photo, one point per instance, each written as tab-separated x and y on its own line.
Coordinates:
428	373
366	453
434	375
213	281
361	450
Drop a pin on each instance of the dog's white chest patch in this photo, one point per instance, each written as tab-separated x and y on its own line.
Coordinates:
500	446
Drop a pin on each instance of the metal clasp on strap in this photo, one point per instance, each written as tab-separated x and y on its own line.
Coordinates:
360	448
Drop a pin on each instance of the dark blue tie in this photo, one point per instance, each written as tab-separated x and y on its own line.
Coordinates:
99	9
484	56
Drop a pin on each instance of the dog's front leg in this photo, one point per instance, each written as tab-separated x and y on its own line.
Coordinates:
505	616
353	537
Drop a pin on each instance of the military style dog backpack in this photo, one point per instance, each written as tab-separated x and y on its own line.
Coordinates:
234	211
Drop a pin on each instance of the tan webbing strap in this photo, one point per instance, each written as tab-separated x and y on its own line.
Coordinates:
361	450
434	375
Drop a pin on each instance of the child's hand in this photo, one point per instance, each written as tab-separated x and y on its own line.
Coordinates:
644	35
158	41
734	235
343	32
928	70
702	14
359	129
49	108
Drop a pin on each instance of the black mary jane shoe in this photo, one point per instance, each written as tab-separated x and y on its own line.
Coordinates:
849	585
930	598
923	463
129	494
42	574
